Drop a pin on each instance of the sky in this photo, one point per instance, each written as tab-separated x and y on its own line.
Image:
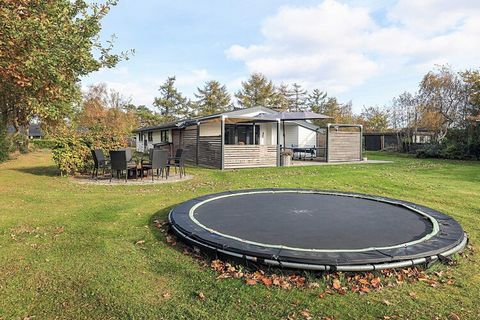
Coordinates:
366	52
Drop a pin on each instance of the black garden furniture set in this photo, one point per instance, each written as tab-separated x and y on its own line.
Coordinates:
121	161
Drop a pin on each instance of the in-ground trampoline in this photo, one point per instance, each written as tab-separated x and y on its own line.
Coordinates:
316	230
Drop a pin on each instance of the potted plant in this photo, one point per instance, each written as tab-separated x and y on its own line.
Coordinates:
286	156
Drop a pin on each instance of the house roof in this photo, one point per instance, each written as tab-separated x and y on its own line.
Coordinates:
249	112
34	130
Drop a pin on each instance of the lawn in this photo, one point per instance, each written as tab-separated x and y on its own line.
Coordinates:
68	251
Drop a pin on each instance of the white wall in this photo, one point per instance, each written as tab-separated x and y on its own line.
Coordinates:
291	135
306	137
156	136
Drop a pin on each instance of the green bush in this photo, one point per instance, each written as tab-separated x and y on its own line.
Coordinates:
43	143
4	144
430	150
459	144
71	154
19	142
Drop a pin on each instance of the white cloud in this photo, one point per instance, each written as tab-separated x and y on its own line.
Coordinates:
143	90
195	77
337	46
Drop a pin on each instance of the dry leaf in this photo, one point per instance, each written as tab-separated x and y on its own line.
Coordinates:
166	295
386	302
454	316
267	281
201	296
336	284
306	314
140	242
251	282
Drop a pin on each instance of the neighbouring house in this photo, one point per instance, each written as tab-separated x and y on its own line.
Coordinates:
34	131
243	138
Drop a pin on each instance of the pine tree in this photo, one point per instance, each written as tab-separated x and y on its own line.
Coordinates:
171	103
256	91
298	98
283	96
316	101
212	98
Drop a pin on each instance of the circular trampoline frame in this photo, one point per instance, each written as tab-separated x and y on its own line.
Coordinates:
445	238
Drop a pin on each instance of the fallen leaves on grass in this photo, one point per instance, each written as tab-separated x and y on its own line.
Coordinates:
201	296
140	242
166	295
306	314
335	282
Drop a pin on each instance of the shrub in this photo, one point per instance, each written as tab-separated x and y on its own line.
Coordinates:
43	143
4	144
430	150
19	142
70	153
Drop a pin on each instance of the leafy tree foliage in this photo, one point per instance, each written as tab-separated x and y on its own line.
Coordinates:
97	124
45	47
171	103
373	119
145	116
212	98
471	79
442	92
257	91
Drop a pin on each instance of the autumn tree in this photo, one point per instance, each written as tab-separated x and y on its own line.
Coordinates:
256	91
340	113
45	48
96	124
171	104
471	78
212	98
443	92
373	119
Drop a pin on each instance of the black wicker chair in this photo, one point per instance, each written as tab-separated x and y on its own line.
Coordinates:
99	162
159	162
178	162
119	163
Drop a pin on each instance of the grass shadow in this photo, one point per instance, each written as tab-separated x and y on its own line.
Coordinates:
48	171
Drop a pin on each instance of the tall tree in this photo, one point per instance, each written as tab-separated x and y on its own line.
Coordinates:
340	113
146	117
212	98
471	79
45	47
171	103
442	91
256	91
373	119
298	98
282	98
316	101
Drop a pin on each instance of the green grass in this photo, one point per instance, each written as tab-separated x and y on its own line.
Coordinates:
67	251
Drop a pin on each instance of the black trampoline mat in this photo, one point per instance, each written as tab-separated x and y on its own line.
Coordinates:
313	221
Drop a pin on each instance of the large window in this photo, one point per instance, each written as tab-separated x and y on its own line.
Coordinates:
164	135
241	134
